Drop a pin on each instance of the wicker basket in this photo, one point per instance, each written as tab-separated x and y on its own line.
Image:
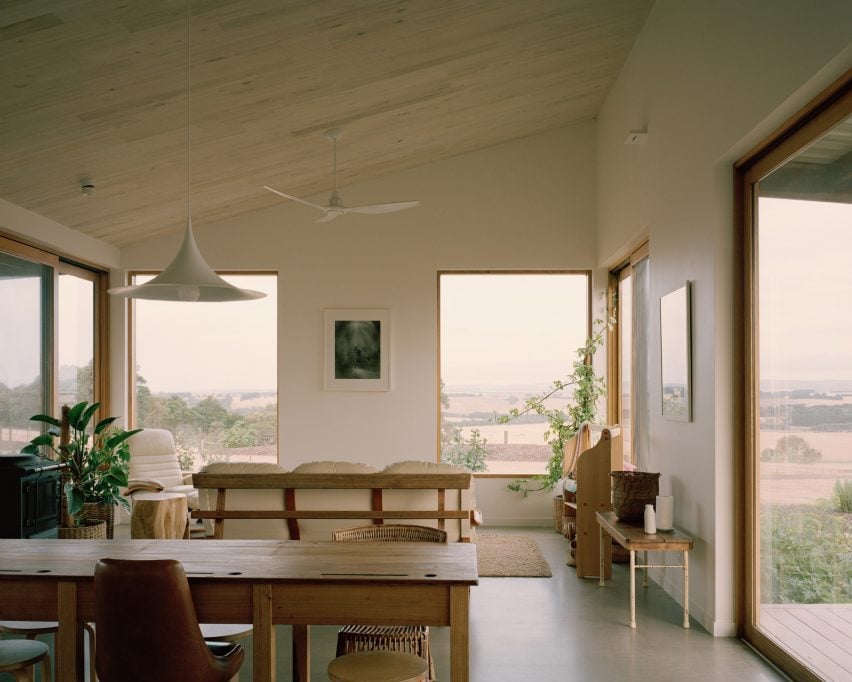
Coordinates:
558	505
90	530
631	491
94	511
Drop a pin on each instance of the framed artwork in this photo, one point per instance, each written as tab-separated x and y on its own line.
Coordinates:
676	360
357	350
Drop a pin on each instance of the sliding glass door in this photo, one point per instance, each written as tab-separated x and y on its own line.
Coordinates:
26	283
798	208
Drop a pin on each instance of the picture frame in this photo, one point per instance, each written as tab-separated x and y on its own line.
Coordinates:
356	349
676	353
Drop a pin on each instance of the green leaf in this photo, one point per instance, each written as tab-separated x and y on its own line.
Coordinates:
74	415
30	450
75	499
101	425
53	421
87	415
43	439
120	437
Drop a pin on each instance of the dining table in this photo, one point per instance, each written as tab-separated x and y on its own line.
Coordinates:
262	582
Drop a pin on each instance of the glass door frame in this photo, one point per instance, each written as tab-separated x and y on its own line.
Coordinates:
100	358
49	315
823	113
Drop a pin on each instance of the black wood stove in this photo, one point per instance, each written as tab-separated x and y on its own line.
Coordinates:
29	496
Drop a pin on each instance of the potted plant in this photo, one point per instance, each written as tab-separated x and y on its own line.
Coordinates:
96	466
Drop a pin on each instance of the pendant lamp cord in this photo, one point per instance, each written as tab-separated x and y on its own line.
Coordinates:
189	110
334	161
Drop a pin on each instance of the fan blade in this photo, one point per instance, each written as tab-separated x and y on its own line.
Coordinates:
290	196
383	208
330	215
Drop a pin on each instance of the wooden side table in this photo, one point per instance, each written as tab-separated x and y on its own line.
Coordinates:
633	537
159	516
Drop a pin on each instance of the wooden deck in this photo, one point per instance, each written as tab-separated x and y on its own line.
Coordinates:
818	634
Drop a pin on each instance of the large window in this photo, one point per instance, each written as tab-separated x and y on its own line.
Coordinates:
628	396
208	373
504	338
797	356
49	338
76	335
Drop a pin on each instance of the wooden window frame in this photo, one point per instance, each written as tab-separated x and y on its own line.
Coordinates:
614	392
824	112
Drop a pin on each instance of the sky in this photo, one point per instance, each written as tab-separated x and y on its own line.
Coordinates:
199	347
805	321
510	329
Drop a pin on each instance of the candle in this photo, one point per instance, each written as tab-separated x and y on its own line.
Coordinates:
665	512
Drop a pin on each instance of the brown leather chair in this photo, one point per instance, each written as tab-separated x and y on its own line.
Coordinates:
147	627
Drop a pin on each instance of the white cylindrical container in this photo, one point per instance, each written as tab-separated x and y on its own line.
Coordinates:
665	512
650	521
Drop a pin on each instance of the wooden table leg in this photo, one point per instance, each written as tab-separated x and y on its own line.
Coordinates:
459	633
685	589
69	640
645	569
633	588
301	653
263	633
602	569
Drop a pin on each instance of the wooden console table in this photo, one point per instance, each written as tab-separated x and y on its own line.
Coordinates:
633	537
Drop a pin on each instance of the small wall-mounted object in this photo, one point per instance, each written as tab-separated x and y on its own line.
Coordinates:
87	189
636	137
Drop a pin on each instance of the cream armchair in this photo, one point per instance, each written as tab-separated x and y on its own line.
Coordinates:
154	466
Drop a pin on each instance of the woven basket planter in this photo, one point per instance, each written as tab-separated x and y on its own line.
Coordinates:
90	530
631	491
93	511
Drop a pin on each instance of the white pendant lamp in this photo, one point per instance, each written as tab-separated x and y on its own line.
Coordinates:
188	277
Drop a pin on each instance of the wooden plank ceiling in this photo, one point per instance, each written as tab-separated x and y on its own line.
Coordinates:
98	91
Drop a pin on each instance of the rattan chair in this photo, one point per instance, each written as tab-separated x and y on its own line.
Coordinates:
412	639
387	666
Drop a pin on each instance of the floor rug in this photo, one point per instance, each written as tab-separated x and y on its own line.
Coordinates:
510	556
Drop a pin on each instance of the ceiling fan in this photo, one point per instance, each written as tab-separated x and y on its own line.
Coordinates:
335	206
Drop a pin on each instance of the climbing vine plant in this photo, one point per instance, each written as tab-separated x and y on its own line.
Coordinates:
563	423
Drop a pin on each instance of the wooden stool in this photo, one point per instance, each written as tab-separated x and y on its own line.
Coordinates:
32	628
17	656
378	666
160	516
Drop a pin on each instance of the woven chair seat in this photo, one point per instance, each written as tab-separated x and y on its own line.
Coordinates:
389	532
406	639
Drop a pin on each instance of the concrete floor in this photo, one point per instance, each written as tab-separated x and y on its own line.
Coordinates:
566	628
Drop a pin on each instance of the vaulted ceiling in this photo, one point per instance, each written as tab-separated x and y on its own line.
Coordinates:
97	92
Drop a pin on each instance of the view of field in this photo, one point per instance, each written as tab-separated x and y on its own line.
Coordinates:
516	448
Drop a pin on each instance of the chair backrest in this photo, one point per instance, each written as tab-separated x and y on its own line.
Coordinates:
147	627
415	500
153	455
389	532
240	499
320	529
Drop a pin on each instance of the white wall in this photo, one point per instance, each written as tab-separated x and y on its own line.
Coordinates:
526	204
709	80
55	237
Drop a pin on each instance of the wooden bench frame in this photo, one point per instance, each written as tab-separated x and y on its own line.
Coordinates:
288	484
